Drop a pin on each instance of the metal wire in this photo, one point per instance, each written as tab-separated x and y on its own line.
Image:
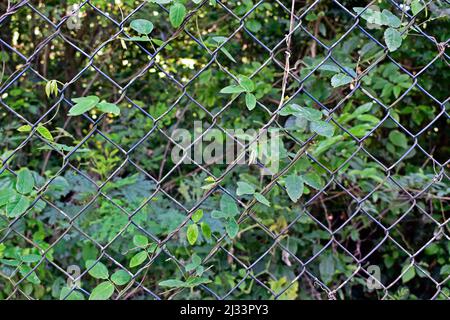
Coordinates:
182	87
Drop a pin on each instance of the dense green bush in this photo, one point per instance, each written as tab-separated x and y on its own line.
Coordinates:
87	181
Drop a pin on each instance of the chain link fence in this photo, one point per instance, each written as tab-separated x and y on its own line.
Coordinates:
330	244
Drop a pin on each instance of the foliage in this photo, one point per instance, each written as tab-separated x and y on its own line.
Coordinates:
87	179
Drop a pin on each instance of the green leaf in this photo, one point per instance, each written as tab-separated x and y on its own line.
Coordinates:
25	128
313	180
294	187
17	207
103	291
327	267
159	43
409	274
83	105
309	114
196	261
199	271
244	188
48	88
98	270
6	196
340	79
253	25
140	38
290	110
198	214
219	40
51	88
250	101
25	181
194	282
228	206
31	258
120	277
10	262
141	26
322	128
232	228
44	132
232	89
398	139
176	14
74	295
393	39
107	107
228	54
206	230
389	19
152	248
371	16
172	283
363	108
261	199
31	277
246	83
161	1
192	234
416	7
138	259
140	241
218	214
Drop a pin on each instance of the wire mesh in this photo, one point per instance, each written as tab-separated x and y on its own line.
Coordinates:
92	66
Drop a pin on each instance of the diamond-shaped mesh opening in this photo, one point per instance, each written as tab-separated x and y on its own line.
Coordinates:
27	43
88	28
